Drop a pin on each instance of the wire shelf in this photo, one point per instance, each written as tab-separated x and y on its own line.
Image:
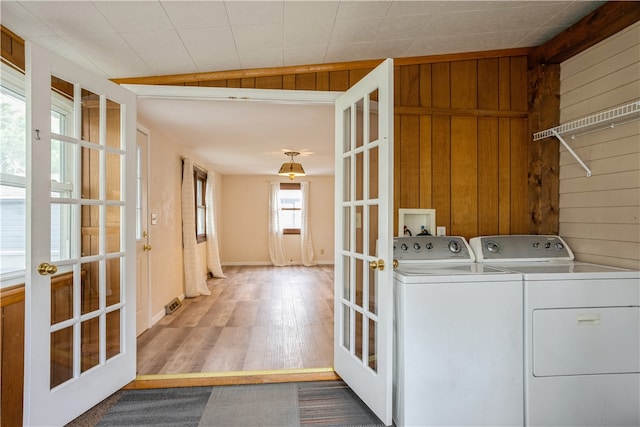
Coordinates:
602	120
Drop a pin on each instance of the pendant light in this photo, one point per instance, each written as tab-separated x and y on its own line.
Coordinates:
291	169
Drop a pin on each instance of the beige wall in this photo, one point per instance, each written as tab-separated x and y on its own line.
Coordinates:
600	215
245	205
165	259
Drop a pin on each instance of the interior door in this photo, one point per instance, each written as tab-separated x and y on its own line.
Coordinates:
79	331
363	336
142	232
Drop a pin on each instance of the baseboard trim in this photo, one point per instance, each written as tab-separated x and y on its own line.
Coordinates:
231	378
262	263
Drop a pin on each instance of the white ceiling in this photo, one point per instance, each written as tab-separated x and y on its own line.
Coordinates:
143	38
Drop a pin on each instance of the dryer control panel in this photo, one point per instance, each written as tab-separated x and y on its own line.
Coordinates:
522	247
432	248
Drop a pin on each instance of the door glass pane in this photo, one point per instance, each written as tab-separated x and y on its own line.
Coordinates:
90	289
358	337
113	333
373	335
114	162
346	278
346	117
359	282
61	356
359	123
62	107
62	168
90	220
359	229
359	175
373	116
346	327
90	173
373	292
373	230
113	229
61	297
114	138
90	117
61	231
347	228
373	173
346	178
113	278
90	345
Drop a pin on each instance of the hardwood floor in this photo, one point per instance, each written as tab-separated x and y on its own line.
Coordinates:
257	318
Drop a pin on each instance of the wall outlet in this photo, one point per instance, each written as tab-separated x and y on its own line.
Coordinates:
441	231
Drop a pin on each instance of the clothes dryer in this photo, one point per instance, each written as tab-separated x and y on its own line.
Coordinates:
458	337
581	332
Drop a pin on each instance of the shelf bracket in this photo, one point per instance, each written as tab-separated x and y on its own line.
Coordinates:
570	150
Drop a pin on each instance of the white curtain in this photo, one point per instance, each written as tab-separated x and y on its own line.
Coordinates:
306	243
194	279
276	239
213	253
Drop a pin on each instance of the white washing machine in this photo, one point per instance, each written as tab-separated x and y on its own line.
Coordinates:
458	337
581	332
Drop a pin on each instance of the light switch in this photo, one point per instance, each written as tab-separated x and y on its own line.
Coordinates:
154	219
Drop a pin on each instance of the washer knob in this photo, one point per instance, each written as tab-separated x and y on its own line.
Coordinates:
559	246
454	247
536	244
547	245
404	247
492	247
416	246
429	245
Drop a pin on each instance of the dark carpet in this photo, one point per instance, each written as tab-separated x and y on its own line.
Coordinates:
321	403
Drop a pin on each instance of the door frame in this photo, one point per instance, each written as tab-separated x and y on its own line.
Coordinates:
140	128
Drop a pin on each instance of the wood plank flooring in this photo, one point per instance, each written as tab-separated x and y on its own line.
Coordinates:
257	318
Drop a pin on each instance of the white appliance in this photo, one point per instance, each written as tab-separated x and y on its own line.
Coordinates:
582	332
458	337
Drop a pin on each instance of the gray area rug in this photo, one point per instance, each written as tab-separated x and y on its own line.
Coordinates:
320	403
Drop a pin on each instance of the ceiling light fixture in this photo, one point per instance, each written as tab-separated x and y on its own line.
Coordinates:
291	169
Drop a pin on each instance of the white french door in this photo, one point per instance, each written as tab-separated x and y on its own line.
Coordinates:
363	313
80	278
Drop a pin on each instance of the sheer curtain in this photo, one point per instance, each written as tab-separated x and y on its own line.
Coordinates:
276	239
306	242
194	281
213	253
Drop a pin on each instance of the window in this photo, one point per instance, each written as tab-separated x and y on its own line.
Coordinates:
200	187
290	207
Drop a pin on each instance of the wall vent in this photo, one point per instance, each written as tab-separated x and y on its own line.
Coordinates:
172	306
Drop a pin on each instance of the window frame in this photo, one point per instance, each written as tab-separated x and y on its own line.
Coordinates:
291	186
200	176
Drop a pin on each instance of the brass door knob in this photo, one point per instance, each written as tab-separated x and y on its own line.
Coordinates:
146	248
377	265
47	269
395	264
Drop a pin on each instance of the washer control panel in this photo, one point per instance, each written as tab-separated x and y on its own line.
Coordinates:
520	248
432	248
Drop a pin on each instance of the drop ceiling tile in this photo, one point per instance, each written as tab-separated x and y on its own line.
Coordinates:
363	9
261	58
355	30
310	11
389	49
304	55
400	27
406	8
69	52
133	16
433	45
22	22
341	52
212	49
572	13
101	48
537	37
298	34
446	24
86	18
254	12
198	14
162	51
468	6
261	36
